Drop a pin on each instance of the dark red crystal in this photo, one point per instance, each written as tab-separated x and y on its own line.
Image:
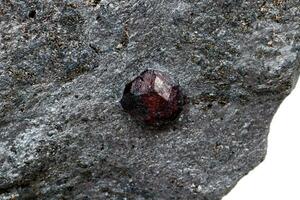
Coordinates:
153	97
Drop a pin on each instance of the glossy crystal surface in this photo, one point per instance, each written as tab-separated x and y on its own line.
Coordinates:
153	97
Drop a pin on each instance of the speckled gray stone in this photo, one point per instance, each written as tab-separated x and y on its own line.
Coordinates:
63	67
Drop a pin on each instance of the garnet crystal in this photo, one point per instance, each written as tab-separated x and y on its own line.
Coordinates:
153	97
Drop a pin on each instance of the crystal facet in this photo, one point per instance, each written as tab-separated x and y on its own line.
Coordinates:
153	97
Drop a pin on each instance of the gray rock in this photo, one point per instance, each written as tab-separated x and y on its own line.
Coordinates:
64	64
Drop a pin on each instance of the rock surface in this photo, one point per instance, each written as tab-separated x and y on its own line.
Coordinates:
64	65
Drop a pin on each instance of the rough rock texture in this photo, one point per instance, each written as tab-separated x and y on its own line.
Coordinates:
64	65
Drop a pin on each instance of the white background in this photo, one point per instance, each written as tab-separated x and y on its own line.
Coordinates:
278	177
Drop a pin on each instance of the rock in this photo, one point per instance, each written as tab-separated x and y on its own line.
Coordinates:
64	65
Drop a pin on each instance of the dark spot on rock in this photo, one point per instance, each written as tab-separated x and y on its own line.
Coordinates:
105	190
32	14
95	2
70	188
102	147
94	48
13	149
153	97
222	102
98	18
209	106
88	97
85	119
76	96
59	127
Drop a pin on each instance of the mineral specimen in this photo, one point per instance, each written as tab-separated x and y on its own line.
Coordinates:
153	97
